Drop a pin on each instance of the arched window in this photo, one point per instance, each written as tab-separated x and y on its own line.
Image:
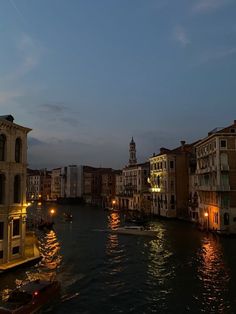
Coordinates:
2	188
17	189
2	147
18	150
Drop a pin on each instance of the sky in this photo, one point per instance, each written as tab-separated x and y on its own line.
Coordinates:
87	75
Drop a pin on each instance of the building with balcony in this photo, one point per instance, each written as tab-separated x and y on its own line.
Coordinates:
169	180
216	179
38	185
14	247
134	180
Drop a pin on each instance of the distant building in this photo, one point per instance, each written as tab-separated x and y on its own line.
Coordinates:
216	179
13	161
98	185
72	181
56	184
169	179
38	185
134	181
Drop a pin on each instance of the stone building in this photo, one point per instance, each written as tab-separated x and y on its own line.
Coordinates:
169	179
38	185
216	179
56	184
13	162
134	180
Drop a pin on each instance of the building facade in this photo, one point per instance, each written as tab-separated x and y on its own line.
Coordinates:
169	179
216	180
56	184
134	182
13	163
71	181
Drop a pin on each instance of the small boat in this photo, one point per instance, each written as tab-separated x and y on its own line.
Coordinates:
30	297
67	217
134	230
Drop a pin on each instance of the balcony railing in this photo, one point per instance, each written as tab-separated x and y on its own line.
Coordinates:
214	187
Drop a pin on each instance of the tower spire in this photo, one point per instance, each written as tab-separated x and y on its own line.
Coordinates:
132	153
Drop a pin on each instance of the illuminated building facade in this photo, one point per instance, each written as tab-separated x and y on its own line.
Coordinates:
216	179
134	180
169	180
13	162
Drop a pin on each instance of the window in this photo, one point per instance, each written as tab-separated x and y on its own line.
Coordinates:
216	218
223	143
226	219
1	230
2	147
16	250
17	187
18	145
2	189
171	164
16	227
1	254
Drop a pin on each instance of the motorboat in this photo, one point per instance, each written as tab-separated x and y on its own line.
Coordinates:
30	297
67	216
134	230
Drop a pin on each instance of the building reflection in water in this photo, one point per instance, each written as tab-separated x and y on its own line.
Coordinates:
159	276
48	266
115	260
214	276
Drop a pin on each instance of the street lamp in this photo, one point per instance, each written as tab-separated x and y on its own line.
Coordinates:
207	220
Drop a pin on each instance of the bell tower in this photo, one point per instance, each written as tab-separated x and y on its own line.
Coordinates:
132	153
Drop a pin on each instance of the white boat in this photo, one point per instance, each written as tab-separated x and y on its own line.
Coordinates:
134	230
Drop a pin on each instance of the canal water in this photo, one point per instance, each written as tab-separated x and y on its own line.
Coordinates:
181	271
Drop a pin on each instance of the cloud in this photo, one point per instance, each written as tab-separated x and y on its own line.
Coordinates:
30	52
180	35
32	141
215	54
54	113
56	152
203	6
9	95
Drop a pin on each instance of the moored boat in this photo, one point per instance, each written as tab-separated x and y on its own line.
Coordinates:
30	297
134	230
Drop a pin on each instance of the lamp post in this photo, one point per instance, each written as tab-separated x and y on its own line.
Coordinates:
52	212
207	220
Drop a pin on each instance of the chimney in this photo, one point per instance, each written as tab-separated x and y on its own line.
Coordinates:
182	144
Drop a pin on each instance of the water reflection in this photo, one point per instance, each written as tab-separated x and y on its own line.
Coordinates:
213	275
114	220
159	271
46	269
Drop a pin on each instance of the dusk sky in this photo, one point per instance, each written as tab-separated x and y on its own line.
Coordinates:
88	75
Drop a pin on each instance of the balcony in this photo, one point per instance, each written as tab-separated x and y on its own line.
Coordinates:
216	188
